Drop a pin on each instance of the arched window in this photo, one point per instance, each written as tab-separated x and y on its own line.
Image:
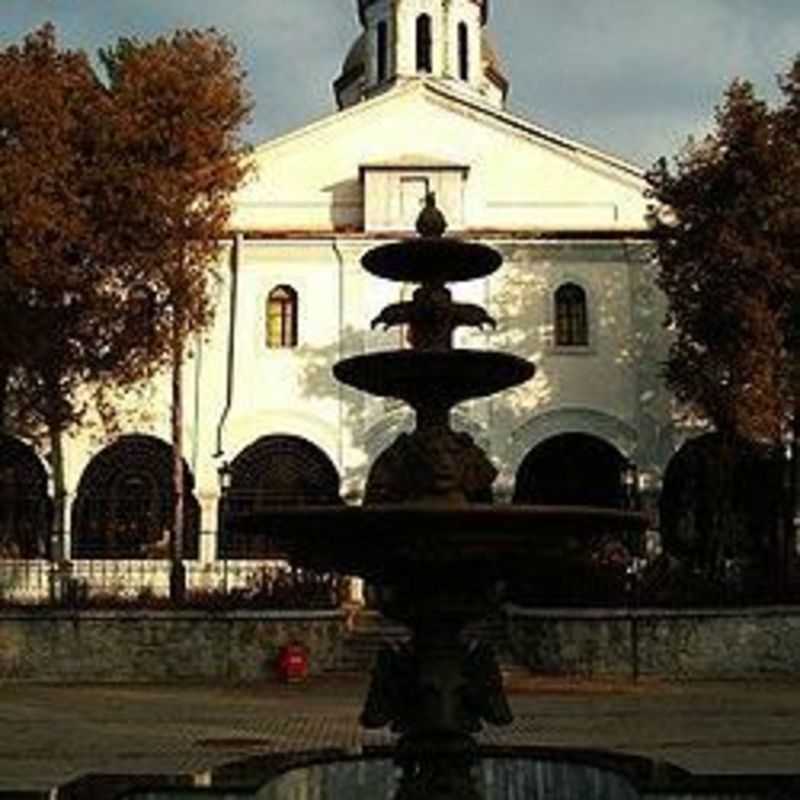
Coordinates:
463	51
572	323
424	44
383	51
282	317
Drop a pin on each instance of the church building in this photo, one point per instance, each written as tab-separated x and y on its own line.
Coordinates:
420	106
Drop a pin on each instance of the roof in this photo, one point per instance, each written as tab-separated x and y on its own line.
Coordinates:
439	89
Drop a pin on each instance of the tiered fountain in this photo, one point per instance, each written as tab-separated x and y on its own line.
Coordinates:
428	535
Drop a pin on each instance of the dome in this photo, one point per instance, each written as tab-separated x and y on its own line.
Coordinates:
492	65
356	56
390	51
348	86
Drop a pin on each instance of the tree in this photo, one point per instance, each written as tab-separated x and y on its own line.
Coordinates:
725	225
60	297
113	200
180	104
721	272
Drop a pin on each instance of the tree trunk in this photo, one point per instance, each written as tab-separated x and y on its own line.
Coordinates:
177	570
788	554
58	545
4	379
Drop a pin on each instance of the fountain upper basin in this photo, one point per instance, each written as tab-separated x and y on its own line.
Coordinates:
432	260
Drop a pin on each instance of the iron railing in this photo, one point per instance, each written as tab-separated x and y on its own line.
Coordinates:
115	583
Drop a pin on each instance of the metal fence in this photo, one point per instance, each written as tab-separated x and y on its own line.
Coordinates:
145	583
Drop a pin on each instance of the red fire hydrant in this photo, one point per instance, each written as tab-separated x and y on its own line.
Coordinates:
292	663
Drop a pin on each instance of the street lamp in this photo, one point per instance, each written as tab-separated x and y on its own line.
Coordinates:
224	475
629	478
789	522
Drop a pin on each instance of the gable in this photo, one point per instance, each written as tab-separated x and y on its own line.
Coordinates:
516	177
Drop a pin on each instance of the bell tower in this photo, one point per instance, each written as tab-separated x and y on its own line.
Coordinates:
403	40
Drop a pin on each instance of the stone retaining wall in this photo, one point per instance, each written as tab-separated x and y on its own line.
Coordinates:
160	646
170	646
691	644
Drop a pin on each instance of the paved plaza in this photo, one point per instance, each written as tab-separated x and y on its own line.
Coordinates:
52	734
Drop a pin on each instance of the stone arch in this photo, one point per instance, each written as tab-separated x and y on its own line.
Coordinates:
387	428
26	510
571	420
572	469
124	503
713	516
275	470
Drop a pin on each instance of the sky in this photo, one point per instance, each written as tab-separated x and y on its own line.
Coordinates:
631	77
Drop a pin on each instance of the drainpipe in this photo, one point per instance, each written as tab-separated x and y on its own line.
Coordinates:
198	375
340	388
235	263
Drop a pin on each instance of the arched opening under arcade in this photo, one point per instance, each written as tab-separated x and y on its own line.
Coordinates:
572	469
576	469
26	510
124	505
275	470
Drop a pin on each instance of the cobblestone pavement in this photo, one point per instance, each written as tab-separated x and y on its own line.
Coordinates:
52	734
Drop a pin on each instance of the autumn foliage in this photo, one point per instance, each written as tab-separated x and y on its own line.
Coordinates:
114	195
726	230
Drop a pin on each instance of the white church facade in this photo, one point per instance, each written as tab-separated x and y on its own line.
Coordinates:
420	108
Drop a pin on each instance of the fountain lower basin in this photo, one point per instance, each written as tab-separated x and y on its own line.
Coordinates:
390	542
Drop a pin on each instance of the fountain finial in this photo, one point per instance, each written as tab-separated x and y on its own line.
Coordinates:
431	222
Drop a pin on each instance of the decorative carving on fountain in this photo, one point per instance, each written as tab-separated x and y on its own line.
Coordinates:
432	317
483	695
431	222
408	699
434	465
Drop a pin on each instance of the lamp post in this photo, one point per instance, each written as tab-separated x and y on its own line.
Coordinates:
224	476
629	478
787	542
